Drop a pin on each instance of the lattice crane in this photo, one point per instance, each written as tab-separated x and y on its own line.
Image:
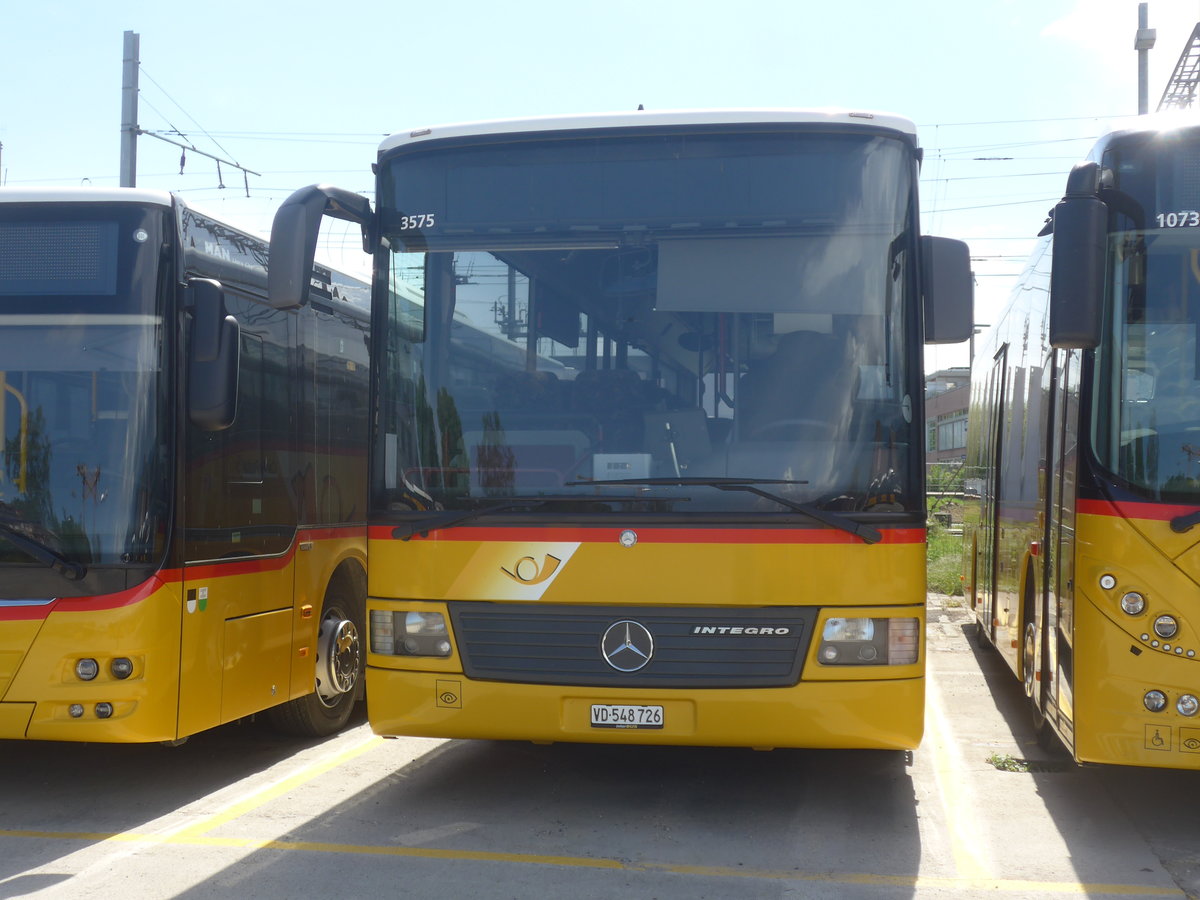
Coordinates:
1180	92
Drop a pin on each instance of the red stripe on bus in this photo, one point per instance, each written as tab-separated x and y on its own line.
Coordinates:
1161	512
650	535
165	577
85	604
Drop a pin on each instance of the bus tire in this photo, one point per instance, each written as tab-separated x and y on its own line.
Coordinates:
341	661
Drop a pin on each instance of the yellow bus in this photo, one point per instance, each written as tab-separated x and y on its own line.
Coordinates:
647	438
1084	445
182	476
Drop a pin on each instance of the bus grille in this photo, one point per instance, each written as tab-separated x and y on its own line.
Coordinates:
694	647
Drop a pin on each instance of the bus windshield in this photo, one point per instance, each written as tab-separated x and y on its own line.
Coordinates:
572	313
83	455
1148	375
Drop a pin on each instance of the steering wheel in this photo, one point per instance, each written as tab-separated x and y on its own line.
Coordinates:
788	427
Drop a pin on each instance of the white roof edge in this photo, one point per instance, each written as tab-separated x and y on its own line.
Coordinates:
658	118
1161	122
85	195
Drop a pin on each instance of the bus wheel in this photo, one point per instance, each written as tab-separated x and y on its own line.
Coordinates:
341	656
1029	660
1046	737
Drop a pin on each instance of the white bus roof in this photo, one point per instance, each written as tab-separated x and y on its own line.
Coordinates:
85	195
642	118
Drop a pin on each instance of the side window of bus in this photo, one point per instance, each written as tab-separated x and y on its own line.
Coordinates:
239	501
340	395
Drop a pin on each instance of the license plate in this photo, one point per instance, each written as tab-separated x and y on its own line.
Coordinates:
616	715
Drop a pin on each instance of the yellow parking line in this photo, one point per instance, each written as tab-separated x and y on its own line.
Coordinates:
269	792
956	804
971	873
908	882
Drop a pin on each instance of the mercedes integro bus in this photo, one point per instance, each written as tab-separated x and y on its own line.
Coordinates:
647	433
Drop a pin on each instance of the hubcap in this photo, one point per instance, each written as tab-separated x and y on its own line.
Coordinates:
339	652
1029	654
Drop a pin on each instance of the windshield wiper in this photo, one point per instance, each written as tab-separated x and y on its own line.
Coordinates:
68	569
865	533
501	504
1180	524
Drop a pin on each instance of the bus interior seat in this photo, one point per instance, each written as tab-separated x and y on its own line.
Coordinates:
615	397
535	391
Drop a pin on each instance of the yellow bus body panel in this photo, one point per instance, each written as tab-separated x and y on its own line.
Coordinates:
843	706
591	571
15	638
211	644
859	714
1118	658
142	627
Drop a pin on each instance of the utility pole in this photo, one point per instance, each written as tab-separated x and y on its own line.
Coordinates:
129	111
1142	44
130	130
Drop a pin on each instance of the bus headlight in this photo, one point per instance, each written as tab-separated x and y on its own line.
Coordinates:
86	669
1133	603
1155	701
869	642
409	633
1166	627
1187	705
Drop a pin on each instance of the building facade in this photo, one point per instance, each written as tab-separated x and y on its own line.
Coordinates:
947	396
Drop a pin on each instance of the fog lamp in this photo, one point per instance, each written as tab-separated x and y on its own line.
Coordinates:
103	710
121	667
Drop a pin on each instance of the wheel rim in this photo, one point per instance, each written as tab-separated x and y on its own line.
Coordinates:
339	654
1029	655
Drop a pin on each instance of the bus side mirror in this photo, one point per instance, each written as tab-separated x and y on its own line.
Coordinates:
213	349
948	288
1080	225
294	238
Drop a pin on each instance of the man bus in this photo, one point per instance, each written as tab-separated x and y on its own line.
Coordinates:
1083	568
182	476
647	437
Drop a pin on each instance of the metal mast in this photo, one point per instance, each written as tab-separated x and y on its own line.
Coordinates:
1143	44
129	111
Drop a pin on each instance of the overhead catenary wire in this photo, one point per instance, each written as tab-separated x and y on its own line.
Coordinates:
166	94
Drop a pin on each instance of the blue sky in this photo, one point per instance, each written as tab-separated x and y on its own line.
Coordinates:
1006	94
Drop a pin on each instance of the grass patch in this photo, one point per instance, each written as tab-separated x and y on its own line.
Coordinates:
1007	763
943	561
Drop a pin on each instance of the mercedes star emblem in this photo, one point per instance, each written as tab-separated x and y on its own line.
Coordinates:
627	645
